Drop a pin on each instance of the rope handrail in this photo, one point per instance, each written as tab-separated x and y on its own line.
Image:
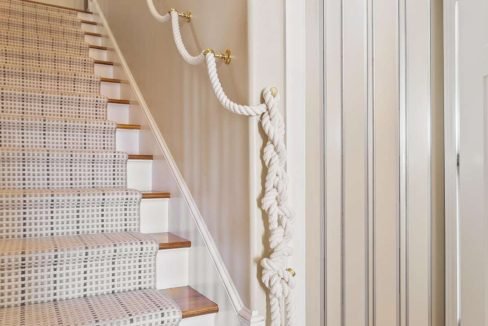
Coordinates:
276	277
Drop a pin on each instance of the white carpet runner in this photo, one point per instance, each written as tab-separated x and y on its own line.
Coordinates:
70	248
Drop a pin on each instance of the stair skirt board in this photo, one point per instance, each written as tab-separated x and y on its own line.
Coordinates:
73	243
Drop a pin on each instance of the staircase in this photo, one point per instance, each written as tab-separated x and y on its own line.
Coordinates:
78	215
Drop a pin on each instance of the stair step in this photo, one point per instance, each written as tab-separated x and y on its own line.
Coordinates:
52	104
140	157
169	240
43	42
62	169
155	195
12	12
98	47
112	80
118	101
88	22
30	213
129	126
191	302
48	80
56	133
37	60
40	4
93	34
78	265
103	62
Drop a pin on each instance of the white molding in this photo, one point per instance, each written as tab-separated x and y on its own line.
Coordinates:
246	316
450	157
295	117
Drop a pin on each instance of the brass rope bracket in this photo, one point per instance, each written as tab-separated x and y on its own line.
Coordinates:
187	15
226	56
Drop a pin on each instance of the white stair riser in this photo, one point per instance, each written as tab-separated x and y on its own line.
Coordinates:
104	70
139	175
154	215
118	112
205	320
110	90
98	54
172	268
93	40
127	140
89	28
85	16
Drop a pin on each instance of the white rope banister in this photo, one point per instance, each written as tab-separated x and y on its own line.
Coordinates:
278	279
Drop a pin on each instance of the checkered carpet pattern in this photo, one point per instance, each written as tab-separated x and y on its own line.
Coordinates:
70	248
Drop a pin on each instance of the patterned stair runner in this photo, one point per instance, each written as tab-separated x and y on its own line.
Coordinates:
70	248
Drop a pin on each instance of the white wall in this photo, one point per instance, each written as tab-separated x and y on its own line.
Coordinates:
209	144
78	4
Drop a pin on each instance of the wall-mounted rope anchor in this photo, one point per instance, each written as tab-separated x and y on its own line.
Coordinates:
226	56
187	15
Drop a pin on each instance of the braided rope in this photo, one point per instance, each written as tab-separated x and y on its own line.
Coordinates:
275	276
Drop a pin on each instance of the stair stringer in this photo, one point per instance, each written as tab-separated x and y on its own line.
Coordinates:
208	273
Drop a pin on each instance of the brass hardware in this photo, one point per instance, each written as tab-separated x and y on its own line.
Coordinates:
274	91
226	56
186	14
291	271
207	51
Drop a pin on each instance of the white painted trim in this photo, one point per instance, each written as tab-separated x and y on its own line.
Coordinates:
246	316
295	99
451	171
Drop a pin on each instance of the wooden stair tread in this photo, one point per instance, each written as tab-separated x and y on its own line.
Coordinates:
58	6
140	157
89	22
128	126
168	240
155	194
97	47
191	302
103	62
93	34
117	101
111	80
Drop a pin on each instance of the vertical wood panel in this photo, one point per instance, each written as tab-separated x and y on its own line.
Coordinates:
333	112
386	162
418	162
355	165
382	237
